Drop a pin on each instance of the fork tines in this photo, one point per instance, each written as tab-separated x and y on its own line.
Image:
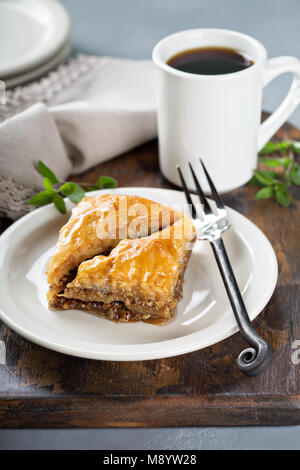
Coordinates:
205	204
187	194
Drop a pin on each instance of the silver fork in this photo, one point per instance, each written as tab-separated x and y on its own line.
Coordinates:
255	359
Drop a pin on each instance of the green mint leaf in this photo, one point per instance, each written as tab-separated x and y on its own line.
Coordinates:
272	162
283	197
272	147
269	148
254	182
77	195
279	186
295	174
46	172
103	182
271	174
59	203
42	198
284	146
68	188
47	184
285	162
288	179
265	177
296	147
265	193
106	182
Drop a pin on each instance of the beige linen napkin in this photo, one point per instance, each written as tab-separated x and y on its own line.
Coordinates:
86	112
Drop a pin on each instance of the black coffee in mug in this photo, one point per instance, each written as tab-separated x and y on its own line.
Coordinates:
209	61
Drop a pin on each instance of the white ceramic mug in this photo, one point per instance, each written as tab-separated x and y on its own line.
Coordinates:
217	117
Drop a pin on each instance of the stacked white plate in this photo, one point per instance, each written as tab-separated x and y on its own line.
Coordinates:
34	38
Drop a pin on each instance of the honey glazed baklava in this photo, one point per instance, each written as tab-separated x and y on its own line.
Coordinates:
122	257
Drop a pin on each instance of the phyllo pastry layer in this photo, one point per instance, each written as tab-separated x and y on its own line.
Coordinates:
115	215
137	278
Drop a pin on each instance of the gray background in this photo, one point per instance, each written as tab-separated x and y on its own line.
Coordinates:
130	28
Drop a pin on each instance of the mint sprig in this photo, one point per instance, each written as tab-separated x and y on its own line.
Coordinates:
103	182
273	183
45	171
55	189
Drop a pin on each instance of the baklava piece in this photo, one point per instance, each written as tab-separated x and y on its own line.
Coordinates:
126	278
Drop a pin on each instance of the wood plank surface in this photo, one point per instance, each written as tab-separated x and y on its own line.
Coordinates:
41	388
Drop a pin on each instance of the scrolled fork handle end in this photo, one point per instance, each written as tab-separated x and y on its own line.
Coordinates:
253	362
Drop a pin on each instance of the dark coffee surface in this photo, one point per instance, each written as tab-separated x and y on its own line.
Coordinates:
209	61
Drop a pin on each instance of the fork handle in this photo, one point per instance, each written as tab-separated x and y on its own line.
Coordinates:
256	359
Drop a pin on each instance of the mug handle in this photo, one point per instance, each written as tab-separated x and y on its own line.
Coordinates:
273	68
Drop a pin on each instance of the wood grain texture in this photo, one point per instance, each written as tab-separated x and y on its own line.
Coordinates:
43	388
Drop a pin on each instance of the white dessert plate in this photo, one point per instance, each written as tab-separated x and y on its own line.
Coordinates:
40	70
204	316
31	32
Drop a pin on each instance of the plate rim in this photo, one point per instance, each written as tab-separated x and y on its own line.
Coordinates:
41	70
131	354
62	32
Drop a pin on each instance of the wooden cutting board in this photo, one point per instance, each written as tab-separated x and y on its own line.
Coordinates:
40	388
